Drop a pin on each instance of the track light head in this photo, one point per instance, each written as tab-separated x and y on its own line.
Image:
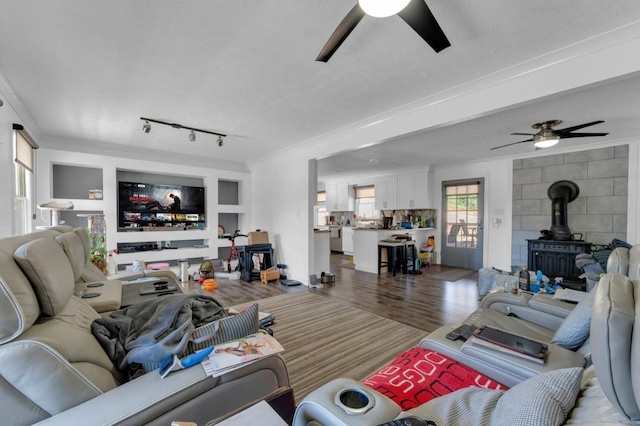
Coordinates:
192	136
146	127
220	141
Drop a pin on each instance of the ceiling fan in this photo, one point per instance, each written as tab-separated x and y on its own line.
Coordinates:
547	136
416	13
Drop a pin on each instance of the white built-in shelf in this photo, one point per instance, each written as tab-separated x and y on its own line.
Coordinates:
144	236
162	255
230	208
83	205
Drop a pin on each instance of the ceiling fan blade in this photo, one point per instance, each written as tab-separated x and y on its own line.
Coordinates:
341	33
578	127
420	18
509	144
581	135
523	134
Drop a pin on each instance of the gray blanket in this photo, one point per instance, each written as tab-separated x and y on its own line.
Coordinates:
151	331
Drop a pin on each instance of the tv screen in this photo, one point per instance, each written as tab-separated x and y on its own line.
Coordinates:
160	205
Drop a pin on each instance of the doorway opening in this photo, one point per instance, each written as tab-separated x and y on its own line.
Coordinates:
462	223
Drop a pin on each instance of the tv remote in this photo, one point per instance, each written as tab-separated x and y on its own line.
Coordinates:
408	421
463	332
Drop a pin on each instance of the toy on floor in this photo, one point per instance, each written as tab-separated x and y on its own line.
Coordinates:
209	284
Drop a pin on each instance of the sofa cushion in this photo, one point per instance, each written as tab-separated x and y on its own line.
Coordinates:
43	261
575	328
614	349
543	400
618	261
74	249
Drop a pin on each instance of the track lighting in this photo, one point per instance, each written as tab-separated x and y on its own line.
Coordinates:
146	128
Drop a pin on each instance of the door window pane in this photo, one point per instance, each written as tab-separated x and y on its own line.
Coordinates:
462	215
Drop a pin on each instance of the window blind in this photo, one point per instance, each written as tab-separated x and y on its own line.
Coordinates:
24	147
365	191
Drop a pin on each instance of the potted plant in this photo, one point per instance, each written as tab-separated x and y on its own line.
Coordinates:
98	254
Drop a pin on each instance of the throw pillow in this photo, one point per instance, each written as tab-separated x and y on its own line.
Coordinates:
575	328
226	329
543	400
420	375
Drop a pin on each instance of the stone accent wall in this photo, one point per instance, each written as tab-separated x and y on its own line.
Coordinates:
599	212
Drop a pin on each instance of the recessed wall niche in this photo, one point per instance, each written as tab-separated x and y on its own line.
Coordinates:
75	182
600	211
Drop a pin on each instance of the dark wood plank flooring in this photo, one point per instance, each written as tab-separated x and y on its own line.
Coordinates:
420	300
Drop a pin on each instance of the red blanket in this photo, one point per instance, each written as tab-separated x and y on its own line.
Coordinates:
419	375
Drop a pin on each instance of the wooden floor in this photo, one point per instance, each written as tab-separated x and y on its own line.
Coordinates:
421	300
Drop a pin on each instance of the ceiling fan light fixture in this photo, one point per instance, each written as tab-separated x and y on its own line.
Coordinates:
382	8
546	139
146	127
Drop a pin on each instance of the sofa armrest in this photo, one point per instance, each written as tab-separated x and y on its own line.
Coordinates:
186	395
134	275
326	406
546	303
503	298
506	369
540	309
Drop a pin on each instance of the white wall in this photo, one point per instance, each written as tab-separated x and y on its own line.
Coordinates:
281	206
498	186
110	166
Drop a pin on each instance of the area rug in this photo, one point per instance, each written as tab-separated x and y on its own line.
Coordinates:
324	339
453	274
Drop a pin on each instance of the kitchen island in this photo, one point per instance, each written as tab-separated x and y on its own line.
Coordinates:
365	244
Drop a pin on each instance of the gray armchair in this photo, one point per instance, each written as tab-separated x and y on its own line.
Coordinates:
53	370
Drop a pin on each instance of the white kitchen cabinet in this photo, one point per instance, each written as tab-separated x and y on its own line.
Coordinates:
386	193
413	191
339	197
347	240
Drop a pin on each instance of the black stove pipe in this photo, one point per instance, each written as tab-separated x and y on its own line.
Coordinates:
561	193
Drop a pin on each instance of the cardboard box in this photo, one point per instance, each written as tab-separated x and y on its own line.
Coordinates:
261	237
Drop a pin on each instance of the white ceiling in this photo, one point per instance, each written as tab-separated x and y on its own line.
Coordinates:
83	72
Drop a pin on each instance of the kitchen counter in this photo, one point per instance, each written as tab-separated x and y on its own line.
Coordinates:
365	250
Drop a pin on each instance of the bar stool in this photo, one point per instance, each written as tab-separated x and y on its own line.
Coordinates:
396	256
411	252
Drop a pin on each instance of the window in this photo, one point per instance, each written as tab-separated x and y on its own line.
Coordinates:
462	215
365	202
24	148
321	209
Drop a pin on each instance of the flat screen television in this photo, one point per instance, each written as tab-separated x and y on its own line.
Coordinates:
158	205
